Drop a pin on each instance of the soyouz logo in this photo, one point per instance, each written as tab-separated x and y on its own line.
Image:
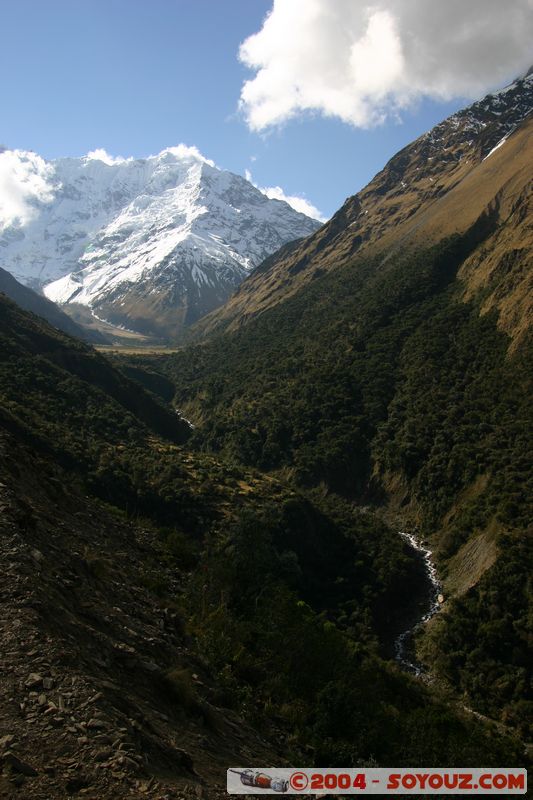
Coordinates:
404	780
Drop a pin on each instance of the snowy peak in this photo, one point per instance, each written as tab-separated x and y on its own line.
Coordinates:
167	236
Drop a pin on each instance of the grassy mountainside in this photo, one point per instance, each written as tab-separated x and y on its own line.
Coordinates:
168	612
436	187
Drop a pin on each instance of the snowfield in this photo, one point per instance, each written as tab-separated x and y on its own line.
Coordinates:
87	230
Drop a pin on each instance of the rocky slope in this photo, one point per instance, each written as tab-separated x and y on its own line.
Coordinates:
475	164
87	706
149	244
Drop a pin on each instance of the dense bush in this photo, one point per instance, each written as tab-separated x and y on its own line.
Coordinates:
374	375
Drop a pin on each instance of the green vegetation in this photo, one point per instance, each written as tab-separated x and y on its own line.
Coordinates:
60	395
375	376
483	643
284	590
305	677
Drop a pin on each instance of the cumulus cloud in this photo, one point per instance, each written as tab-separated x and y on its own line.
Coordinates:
25	183
297	202
102	155
181	151
185	151
362	61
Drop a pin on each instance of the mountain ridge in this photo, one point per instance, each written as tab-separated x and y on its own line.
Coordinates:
29	300
149	244
409	203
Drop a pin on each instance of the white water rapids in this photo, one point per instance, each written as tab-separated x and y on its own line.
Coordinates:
403	641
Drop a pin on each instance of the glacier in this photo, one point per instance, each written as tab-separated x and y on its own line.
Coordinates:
138	239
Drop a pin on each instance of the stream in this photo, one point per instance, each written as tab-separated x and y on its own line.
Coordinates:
403	650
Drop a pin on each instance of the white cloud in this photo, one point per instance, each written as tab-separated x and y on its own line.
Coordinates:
25	182
184	151
102	155
297	202
363	60
181	151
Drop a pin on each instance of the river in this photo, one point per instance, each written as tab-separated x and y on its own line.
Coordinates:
403	644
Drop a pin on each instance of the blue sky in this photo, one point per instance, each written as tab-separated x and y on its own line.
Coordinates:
136	76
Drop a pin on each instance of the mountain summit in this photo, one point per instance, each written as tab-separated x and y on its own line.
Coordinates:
150	244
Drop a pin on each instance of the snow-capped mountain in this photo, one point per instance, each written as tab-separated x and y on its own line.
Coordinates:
151	244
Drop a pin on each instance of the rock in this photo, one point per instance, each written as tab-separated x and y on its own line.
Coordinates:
17	765
92	699
37	555
48	683
96	724
127	763
33	679
104	738
74	785
149	666
6	741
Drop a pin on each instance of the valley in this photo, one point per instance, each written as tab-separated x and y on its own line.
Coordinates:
218	546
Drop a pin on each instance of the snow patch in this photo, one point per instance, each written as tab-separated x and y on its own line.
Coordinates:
496	147
88	229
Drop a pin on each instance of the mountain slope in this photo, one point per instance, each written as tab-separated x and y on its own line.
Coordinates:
31	301
150	244
396	371
476	162
52	383
396	393
150	592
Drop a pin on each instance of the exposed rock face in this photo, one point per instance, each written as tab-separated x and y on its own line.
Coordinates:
150	244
